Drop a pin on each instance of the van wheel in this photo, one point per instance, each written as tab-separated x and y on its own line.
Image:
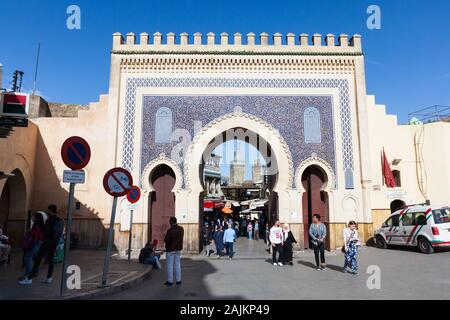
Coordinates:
425	246
381	243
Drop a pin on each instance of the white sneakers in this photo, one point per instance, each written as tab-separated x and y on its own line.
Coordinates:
278	264
25	281
47	280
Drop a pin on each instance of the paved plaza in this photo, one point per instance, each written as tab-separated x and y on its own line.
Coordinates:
405	274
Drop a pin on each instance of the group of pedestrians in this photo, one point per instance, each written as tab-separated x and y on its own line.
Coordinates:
41	242
318	234
281	240
224	238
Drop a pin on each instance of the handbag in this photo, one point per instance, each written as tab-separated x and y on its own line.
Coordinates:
28	241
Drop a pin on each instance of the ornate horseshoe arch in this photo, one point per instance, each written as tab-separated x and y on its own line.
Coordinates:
239	119
152	165
323	165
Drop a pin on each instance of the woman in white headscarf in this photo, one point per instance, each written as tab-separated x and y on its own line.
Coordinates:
289	240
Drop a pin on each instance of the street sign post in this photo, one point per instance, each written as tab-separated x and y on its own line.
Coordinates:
117	183
133	197
76	154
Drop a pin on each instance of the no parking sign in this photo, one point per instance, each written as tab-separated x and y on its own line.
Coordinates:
117	182
134	195
76	153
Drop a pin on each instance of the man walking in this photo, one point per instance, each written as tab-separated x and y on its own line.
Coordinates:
276	239
229	237
53	230
174	246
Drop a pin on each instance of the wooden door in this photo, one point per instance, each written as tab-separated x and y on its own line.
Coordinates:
314	200
162	206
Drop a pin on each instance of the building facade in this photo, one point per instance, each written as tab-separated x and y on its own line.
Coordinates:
301	101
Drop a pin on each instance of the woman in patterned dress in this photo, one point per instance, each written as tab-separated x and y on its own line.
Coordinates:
351	246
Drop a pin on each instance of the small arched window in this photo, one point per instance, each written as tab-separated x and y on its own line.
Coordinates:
163	125
312	128
398	180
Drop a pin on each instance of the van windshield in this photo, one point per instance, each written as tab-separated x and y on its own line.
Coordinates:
441	215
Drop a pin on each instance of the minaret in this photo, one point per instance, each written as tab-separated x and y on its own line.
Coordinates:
256	172
237	168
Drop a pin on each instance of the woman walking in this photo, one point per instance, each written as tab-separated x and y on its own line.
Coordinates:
206	234
317	234
250	230
256	230
351	246
289	240
32	242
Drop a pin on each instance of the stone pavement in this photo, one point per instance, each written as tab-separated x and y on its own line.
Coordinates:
405	274
122	275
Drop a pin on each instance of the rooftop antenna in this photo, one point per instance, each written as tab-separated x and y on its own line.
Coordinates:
37	66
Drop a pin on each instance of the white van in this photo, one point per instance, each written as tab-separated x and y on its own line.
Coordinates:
427	227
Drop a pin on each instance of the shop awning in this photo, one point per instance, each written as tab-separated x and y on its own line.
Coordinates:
227	211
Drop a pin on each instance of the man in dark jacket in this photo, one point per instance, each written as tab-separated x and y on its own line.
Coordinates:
53	230
174	246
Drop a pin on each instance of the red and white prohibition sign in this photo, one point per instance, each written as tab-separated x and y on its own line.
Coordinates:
117	182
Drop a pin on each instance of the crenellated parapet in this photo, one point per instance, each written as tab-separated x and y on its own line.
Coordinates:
237	43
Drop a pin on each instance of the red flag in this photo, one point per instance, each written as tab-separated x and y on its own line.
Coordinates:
387	172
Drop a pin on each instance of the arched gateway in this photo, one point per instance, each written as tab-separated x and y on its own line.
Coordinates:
301	100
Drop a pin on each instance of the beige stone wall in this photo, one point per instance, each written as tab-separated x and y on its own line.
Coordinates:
17	152
399	143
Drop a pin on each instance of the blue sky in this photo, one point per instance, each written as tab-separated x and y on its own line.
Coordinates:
407	61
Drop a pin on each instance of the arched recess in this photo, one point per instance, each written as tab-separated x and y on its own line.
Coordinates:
152	165
13	207
315	185
244	121
330	183
161	180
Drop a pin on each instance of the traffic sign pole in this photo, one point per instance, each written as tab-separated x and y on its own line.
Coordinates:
130	237
67	241
110	240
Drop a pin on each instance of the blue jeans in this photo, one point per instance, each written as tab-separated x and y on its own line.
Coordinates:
153	261
173	258
229	248
250	235
29	255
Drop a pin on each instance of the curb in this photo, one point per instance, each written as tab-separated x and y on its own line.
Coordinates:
111	289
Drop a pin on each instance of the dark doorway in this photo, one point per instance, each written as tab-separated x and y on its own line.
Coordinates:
397	205
314	200
162	203
13	213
